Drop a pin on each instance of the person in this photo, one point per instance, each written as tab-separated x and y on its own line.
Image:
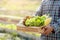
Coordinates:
52	7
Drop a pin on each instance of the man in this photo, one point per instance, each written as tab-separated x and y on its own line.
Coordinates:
52	7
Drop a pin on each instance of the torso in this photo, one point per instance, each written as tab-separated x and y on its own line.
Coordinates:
52	8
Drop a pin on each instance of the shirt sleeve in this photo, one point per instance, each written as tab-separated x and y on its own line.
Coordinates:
39	10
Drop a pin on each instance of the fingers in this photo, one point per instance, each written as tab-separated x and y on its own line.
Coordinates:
42	30
48	30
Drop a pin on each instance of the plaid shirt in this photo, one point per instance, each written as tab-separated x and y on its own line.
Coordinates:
53	8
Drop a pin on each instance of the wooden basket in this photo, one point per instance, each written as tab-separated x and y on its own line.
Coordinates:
30	29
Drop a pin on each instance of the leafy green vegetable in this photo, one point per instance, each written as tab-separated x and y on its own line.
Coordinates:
36	21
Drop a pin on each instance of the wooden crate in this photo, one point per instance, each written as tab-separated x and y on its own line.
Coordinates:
30	29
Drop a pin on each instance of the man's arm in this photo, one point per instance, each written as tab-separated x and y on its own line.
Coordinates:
39	10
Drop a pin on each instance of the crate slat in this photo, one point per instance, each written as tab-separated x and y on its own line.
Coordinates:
30	29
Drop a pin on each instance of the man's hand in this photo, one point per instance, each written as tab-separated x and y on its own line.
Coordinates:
47	30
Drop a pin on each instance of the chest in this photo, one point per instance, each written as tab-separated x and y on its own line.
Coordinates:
52	7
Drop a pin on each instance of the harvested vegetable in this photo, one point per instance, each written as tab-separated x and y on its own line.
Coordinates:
38	21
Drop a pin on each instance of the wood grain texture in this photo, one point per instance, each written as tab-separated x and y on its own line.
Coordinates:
30	29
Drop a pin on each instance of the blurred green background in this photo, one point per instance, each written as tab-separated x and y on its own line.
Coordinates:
19	7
